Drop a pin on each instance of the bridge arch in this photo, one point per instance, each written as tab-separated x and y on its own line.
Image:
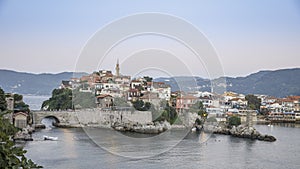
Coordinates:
56	119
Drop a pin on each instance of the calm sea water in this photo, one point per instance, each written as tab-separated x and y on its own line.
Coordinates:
75	150
35	102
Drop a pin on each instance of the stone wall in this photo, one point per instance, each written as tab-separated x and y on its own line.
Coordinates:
94	117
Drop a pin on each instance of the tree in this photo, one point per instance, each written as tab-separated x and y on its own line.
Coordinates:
18	97
148	79
140	105
253	102
198	122
10	155
169	114
18	103
21	106
61	100
234	121
3	104
198	108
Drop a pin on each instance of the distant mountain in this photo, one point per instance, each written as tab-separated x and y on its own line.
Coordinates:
28	83
279	83
186	83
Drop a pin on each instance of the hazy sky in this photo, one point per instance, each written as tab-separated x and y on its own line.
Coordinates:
48	36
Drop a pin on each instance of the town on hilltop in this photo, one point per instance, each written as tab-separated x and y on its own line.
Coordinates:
116	96
108	89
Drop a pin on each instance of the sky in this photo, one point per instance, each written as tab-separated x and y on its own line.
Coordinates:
248	36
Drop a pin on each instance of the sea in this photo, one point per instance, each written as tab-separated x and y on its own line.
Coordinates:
35	101
75	149
81	148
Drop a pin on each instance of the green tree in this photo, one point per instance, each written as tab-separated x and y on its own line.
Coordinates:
18	97
198	122
21	106
148	79
234	121
172	113
168	113
198	107
61	99
140	105
253	102
19	103
3	104
10	155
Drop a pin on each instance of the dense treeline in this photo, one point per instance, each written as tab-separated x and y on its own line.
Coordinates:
61	100
10	155
64	99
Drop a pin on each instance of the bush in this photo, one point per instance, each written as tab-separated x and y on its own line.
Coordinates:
198	122
140	105
234	121
61	100
12	156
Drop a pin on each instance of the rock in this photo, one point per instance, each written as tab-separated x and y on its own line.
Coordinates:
269	138
244	132
23	135
149	128
233	130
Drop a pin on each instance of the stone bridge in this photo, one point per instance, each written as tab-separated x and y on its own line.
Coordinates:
92	117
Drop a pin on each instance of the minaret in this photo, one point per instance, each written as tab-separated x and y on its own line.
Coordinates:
117	68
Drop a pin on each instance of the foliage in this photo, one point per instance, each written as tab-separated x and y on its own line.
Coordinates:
19	104
148	79
61	100
169	114
3	104
18	97
198	122
234	121
253	102
12	156
141	106
198	108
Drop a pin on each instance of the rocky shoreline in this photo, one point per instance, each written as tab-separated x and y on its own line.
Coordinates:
244	132
24	135
240	131
150	128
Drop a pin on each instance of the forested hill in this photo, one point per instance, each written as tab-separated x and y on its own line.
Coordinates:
279	83
28	83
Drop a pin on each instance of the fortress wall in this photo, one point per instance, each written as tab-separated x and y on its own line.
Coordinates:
94	116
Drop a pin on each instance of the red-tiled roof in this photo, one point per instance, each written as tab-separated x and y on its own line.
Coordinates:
104	95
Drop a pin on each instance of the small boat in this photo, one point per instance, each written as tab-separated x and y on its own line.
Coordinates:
50	138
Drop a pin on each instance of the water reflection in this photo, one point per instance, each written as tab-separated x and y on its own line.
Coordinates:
74	149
